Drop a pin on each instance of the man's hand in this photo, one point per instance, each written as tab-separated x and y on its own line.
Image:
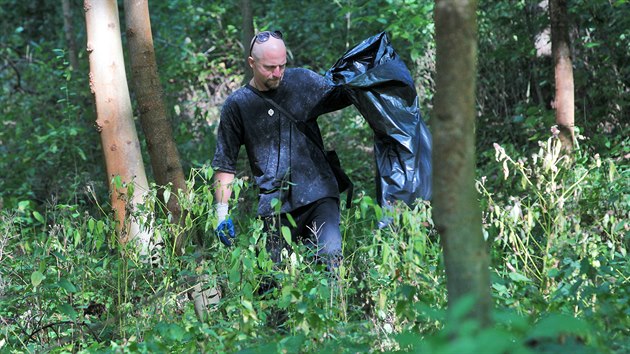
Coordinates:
225	231
387	218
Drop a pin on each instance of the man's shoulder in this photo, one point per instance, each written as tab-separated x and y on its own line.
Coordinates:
240	95
301	72
241	92
300	78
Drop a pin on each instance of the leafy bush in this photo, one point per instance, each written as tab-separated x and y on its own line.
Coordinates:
67	286
37	143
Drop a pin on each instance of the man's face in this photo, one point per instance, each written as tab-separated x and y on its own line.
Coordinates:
268	62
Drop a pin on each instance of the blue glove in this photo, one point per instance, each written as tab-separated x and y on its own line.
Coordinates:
225	231
387	217
384	222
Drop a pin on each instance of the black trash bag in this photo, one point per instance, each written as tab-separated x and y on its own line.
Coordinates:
380	86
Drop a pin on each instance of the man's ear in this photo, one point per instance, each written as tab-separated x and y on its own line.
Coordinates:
250	61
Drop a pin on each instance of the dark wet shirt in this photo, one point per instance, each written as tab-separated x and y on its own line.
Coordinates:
285	163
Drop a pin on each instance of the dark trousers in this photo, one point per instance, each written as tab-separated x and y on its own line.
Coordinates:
317	227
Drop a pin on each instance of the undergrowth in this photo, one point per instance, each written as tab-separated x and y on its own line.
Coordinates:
557	232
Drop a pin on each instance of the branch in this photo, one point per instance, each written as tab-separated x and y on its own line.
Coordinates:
18	84
49	325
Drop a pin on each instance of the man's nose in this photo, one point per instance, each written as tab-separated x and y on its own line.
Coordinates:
277	72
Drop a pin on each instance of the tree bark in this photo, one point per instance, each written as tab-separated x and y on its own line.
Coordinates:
165	159
455	201
563	68
114	120
71	43
247	33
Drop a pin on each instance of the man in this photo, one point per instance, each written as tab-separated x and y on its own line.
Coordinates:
288	165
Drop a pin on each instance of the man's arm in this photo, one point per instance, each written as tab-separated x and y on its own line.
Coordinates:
225	228
223	184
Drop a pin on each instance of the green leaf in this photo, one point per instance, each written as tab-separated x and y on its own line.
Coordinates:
36	278
291	220
501	289
275	203
23	205
67	285
612	172
286	233
378	212
77	238
100	226
518	277
82	155
68	310
234	275
247	305
592	44
167	195
117	182
38	216
620	226
60	255
302	307
171	331
553	272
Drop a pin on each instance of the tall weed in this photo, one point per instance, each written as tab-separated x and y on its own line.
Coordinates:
560	235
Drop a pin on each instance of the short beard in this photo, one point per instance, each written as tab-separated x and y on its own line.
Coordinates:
272	84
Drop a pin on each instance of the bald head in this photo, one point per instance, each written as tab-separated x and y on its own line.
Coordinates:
272	47
268	61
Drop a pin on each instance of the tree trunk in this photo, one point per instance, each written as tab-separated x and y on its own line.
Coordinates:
114	120
163	152
154	118
455	202
561	49
71	43
247	33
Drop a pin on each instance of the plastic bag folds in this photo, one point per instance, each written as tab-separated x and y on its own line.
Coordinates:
382	89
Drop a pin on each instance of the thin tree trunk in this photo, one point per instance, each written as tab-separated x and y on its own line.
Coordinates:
247	33
155	122
71	43
563	67
455	201
154	118
114	120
